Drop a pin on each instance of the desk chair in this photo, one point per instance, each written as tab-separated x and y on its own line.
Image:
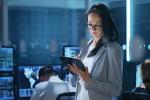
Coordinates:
66	96
134	96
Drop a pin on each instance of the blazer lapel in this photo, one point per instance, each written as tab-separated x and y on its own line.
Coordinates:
99	53
84	52
85	48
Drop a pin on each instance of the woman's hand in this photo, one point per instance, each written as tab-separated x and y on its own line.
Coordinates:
77	57
83	74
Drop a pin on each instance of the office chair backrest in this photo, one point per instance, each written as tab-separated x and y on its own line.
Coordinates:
66	96
135	96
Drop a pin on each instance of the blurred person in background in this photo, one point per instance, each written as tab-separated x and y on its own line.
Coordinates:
44	75
145	74
50	85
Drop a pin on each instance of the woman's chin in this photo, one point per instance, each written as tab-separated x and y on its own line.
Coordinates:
94	35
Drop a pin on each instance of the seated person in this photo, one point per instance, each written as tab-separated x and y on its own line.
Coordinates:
44	74
51	88
145	73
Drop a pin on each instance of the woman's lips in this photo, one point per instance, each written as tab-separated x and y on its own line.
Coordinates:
94	32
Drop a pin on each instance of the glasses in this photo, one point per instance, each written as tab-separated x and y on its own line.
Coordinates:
94	27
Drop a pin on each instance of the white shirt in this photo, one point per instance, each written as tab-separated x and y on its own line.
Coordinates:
87	61
50	89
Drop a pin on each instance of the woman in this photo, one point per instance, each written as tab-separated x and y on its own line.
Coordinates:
145	73
103	59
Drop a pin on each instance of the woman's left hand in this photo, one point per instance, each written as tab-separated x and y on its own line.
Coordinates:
83	74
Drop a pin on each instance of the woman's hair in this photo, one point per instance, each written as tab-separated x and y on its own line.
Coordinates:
109	29
145	71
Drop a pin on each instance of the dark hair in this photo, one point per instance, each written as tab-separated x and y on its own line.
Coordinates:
145	71
109	29
46	71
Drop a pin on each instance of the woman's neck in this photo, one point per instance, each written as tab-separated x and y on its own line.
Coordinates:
95	40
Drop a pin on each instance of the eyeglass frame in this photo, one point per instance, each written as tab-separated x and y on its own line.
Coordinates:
94	27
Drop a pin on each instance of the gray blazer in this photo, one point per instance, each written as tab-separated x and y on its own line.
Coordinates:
106	74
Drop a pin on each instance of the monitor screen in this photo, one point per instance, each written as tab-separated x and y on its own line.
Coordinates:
57	69
138	76
6	88
6	59
28	78
71	51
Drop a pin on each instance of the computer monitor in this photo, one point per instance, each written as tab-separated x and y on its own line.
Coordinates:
138	76
57	68
6	59
71	51
28	78
6	88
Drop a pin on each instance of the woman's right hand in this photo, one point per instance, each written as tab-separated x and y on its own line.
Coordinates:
77	57
82	74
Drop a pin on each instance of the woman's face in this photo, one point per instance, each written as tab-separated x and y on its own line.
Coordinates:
95	25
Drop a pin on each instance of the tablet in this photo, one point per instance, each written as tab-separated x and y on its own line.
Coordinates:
70	61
